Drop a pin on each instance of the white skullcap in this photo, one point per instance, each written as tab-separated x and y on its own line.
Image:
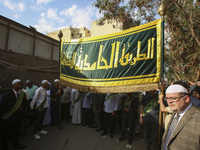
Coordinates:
49	83
176	89
28	81
44	81
56	80
15	81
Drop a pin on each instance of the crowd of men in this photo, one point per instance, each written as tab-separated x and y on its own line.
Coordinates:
51	104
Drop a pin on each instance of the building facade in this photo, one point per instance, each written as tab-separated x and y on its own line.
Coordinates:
83	32
71	33
26	54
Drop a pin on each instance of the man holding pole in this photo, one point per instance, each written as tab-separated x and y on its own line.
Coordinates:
149	117
183	131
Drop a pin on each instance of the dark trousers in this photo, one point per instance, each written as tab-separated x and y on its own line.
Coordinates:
87	112
39	117
109	122
128	120
65	108
10	131
151	135
119	118
24	126
55	113
30	119
97	120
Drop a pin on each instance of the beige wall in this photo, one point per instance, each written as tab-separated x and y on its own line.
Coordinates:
83	32
71	33
107	28
66	34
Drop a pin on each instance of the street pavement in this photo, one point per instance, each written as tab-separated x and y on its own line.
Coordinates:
77	137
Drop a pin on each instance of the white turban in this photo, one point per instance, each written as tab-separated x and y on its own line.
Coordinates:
56	80
176	89
15	81
44	81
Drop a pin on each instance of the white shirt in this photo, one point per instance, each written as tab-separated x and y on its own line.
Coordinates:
87	101
183	112
15	93
66	93
26	93
111	104
74	95
39	97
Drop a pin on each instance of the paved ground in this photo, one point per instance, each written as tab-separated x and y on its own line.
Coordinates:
77	137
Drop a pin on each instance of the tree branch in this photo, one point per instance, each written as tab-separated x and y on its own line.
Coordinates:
191	29
177	75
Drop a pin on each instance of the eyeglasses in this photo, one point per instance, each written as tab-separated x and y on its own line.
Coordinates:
173	99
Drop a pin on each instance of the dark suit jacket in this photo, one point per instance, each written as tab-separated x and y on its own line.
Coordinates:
134	103
8	102
187	133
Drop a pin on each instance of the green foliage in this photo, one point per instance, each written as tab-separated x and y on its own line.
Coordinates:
183	24
129	14
182	50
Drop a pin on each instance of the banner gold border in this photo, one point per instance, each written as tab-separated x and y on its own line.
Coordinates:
147	26
112	89
126	84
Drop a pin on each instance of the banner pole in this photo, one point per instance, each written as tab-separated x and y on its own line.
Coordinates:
160	133
60	35
161	11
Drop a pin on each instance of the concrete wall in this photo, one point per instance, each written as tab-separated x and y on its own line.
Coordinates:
15	65
26	54
20	39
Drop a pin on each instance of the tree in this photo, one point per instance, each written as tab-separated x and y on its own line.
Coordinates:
182	25
129	14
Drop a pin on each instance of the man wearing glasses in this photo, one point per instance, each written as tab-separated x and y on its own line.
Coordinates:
183	131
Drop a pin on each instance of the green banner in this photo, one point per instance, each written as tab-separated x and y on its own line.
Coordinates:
125	61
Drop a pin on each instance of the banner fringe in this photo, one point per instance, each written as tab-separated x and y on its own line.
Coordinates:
113	89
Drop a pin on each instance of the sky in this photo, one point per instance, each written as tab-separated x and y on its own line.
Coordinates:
50	15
